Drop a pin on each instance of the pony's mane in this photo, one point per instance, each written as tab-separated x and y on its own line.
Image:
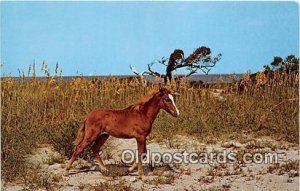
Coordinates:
137	106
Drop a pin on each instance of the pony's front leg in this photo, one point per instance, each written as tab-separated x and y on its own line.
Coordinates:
141	142
135	165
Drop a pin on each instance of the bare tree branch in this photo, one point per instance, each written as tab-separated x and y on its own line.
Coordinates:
153	73
134	70
200	59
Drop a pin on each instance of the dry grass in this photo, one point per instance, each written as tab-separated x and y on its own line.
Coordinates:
34	178
112	186
291	167
49	110
168	178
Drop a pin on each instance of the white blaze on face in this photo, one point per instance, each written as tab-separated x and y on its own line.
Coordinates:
172	99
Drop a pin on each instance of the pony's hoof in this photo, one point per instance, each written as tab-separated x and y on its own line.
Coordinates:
104	171
141	174
142	177
66	173
132	168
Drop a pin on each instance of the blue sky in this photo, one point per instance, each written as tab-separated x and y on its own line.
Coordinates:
100	38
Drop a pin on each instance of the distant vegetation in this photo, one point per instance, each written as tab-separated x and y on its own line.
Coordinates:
289	65
49	110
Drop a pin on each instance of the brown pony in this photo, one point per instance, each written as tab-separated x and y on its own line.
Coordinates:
134	121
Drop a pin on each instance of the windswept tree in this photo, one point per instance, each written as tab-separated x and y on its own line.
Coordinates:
200	59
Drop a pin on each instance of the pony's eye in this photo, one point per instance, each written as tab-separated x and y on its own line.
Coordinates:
168	100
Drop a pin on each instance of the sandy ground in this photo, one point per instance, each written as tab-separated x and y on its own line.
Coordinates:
237	176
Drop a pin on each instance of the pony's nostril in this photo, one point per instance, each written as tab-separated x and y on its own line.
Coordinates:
175	113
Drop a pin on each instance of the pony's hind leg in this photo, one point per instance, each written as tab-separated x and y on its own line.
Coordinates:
78	150
96	149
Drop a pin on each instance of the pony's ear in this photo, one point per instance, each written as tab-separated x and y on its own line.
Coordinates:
161	90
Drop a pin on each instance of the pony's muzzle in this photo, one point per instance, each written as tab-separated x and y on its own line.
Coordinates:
175	113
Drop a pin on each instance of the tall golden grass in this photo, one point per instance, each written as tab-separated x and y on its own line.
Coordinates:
49	110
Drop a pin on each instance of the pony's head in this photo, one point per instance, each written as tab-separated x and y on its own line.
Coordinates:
167	102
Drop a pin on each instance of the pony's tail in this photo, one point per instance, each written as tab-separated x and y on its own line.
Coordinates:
80	134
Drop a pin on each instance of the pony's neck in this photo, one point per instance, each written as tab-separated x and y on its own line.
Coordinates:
151	108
